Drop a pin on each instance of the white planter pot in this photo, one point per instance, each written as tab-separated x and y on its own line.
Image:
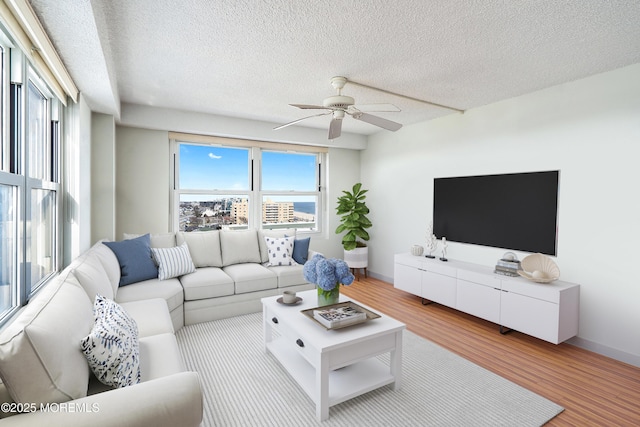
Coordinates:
357	258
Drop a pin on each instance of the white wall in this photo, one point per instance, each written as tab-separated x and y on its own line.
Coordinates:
143	186
103	177
143	116
343	172
590	131
142	181
143	169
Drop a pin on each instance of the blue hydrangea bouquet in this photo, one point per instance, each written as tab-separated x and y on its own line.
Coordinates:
327	274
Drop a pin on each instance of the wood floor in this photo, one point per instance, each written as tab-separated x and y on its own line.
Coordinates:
593	389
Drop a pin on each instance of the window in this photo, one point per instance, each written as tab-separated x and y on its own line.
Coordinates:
246	184
42	185
39	148
41	257
214	187
8	245
29	181
289	189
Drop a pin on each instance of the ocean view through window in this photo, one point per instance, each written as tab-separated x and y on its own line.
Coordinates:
236	187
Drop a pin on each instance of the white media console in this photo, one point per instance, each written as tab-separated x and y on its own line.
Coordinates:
546	311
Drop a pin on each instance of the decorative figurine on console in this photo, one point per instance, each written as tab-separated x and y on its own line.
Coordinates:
444	250
432	241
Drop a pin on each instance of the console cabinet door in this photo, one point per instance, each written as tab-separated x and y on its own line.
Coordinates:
530	316
439	288
480	300
409	279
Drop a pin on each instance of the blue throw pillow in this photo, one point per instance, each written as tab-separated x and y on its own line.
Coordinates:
301	250
134	256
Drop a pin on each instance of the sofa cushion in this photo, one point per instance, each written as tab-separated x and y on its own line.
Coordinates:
173	262
280	251
204	247
239	247
134	257
251	277
162	240
206	282
264	251
301	250
170	290
289	275
43	345
151	315
111	348
92	276
159	357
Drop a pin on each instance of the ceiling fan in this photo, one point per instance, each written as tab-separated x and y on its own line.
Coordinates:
340	105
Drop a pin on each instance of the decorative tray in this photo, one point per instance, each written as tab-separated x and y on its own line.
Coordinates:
350	304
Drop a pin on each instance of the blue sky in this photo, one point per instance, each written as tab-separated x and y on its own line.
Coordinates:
205	168
223	168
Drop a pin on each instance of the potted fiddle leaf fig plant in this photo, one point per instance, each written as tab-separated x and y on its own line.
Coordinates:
354	221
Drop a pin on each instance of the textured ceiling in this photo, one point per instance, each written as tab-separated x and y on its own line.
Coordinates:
251	58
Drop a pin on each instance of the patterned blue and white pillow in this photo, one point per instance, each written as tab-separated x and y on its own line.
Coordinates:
280	251
111	348
173	262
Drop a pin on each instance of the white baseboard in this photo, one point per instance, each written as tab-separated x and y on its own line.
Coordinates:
631	359
380	277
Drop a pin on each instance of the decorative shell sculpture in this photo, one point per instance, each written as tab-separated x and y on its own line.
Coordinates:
539	268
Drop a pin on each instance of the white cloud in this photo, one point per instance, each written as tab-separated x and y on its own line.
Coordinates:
213	156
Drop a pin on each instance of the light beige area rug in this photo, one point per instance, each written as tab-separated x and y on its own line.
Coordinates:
244	386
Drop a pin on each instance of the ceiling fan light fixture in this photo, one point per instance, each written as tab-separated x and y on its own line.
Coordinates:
340	105
339	101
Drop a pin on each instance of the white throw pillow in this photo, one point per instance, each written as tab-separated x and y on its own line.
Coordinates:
112	348
173	262
280	251
278	233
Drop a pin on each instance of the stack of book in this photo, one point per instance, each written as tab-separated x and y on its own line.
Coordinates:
339	317
508	267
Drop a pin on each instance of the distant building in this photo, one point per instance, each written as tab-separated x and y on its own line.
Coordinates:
277	212
239	211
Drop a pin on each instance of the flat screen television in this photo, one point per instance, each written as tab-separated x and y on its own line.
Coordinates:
517	211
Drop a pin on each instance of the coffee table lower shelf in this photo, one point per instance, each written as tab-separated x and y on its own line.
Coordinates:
344	383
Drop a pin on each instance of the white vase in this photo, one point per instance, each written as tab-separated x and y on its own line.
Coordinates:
357	258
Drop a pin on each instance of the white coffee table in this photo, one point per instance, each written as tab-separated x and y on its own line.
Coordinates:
332	366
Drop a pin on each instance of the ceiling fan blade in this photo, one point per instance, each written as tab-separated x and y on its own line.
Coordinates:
299	120
377	121
309	107
377	108
335	128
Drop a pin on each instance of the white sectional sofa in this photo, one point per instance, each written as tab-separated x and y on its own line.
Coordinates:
42	366
46	377
232	273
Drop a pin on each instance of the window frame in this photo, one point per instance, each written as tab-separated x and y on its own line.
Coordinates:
316	192
49	181
29	186
255	193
